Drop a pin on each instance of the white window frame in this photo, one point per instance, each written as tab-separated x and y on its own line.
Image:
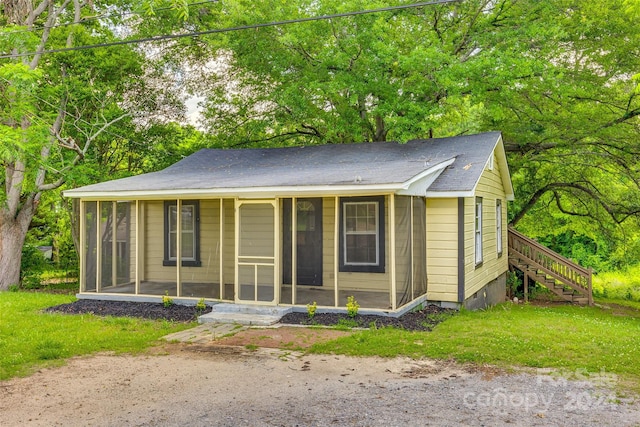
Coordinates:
173	210
170	229
363	267
376	232
478	231
499	245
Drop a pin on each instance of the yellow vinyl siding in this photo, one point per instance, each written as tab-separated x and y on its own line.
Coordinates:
490	188
442	249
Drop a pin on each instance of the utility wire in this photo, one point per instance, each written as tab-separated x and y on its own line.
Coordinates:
230	29
105	15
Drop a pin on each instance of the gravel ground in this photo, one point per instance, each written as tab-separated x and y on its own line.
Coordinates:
196	385
422	320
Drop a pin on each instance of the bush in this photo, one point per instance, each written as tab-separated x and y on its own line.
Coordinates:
623	285
32	265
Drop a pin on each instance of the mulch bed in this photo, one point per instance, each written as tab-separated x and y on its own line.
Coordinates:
147	310
420	320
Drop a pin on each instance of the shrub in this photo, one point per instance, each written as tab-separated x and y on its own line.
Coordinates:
167	301
32	265
623	285
311	309
352	306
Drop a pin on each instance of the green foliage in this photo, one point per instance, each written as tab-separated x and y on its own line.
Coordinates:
618	285
32	266
167	301
514	285
311	309
31	339
352	306
200	305
345	324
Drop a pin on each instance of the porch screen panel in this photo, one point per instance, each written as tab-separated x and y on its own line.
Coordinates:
203	281
256	252
106	246
403	250
90	245
123	231
419	247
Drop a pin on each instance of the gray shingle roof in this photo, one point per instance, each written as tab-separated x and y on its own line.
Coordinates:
323	165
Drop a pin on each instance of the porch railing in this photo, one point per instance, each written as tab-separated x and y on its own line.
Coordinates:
560	275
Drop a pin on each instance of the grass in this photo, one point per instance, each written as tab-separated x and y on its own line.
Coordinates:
568	338
31	339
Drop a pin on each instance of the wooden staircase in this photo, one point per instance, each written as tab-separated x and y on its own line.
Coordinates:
560	275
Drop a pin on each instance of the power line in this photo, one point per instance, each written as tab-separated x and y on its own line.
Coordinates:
230	29
105	15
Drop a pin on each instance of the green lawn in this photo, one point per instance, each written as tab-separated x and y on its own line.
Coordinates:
30	339
568	338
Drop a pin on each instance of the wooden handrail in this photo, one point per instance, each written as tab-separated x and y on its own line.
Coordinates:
551	263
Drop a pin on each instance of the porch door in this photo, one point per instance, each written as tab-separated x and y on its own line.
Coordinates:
308	241
256	249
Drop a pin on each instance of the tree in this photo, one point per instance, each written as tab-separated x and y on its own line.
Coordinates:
58	109
559	78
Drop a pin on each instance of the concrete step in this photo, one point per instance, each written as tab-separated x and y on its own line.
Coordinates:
248	319
251	309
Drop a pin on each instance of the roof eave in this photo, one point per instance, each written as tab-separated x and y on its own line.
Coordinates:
242	192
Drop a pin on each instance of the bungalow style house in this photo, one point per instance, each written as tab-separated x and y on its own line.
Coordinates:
393	225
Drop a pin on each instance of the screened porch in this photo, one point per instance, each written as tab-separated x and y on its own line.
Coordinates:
258	251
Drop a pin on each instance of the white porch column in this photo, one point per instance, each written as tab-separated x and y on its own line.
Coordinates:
98	247
411	270
83	245
392	248
294	252
178	247
138	251
336	246
277	278
114	243
221	278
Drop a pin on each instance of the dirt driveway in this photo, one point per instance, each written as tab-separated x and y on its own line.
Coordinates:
223	385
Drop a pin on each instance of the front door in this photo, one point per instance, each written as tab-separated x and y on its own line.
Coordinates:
308	241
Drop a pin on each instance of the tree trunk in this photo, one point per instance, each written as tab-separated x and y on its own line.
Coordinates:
13	232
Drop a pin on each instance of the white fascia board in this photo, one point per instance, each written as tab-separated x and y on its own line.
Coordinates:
242	192
504	170
419	184
449	194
